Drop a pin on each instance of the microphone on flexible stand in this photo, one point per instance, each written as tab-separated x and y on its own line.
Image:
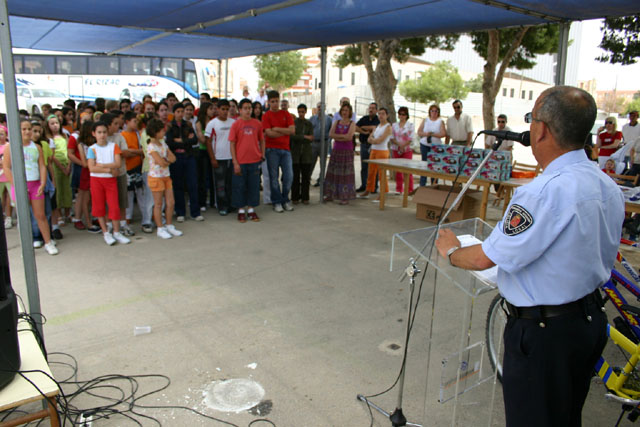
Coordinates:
522	138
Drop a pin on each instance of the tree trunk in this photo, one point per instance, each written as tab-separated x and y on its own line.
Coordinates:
381	79
492	80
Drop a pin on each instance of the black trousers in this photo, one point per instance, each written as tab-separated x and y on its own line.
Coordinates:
223	177
301	182
547	370
205	179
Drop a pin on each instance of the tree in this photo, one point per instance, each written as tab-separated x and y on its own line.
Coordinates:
632	106
509	47
381	79
281	70
438	84
620	39
475	84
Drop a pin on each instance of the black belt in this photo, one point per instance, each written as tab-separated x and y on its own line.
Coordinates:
547	311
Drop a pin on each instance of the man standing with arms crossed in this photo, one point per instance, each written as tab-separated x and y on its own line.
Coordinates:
365	126
572	212
459	127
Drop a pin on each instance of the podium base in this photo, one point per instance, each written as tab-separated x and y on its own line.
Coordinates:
395	417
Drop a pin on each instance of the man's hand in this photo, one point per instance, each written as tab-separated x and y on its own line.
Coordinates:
446	240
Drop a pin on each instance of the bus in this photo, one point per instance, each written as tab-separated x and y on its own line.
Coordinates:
48	78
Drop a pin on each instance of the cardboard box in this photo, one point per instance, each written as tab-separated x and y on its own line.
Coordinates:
429	201
439	148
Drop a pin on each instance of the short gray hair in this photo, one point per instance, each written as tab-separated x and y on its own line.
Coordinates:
569	113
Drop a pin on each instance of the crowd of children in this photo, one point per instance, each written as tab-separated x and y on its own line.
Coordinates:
88	165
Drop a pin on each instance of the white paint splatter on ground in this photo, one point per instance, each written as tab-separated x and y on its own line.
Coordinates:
235	395
253	365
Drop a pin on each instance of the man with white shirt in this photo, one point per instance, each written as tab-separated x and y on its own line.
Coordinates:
459	127
261	97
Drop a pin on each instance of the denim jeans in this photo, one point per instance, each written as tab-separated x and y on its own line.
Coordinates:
222	175
424	152
279	159
246	187
183	171
205	179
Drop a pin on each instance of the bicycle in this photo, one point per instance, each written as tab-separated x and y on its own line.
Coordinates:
622	384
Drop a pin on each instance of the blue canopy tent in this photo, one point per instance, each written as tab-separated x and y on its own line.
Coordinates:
216	29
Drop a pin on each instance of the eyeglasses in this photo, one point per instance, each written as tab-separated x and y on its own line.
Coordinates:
608	122
528	118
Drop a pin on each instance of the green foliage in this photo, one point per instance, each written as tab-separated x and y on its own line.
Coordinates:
475	84
438	84
632	106
620	39
537	40
407	47
281	70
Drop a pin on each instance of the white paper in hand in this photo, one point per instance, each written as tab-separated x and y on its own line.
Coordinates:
488	276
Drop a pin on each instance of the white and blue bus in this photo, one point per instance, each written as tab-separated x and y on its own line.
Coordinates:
47	78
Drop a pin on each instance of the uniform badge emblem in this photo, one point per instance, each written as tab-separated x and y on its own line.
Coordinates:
518	219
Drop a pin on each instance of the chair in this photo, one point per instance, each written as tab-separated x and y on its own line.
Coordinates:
625	179
518	167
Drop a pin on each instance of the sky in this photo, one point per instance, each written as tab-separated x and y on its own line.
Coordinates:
627	76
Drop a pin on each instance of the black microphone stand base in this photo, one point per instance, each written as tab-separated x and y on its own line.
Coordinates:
397	418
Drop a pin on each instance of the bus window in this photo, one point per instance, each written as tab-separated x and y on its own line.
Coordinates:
71	65
191	80
101	65
155	66
39	64
17	64
135	66
172	68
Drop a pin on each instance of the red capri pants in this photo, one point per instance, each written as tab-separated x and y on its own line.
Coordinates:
105	190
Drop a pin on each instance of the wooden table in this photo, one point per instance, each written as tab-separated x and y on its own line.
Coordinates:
19	391
632	207
419	167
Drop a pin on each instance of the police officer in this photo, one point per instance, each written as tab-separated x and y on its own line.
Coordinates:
555	245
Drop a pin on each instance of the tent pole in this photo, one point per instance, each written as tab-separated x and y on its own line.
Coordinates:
17	167
322	115
563	43
219	78
226	78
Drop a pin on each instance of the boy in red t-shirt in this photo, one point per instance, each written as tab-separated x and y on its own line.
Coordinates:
247	152
278	127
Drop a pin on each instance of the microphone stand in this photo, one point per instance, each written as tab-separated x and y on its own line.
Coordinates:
397	418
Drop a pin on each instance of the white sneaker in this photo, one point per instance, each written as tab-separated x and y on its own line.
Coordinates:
108	238
203	209
173	231
8	223
120	238
51	248
288	207
278	208
37	244
163	233
180	219
199	218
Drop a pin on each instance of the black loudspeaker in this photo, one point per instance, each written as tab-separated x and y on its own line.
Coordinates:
9	347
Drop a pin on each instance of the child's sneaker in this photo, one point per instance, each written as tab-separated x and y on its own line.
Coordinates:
51	248
78	224
253	216
8	223
37	244
242	217
163	233
173	231
180	218
108	238
120	238
95	229
278	208
147	228
127	231
199	218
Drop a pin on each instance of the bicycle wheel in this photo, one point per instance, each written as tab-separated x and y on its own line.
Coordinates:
496	320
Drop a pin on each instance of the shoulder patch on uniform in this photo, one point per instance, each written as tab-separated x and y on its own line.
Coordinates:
517	220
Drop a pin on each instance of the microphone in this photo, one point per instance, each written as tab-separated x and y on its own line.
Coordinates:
522	138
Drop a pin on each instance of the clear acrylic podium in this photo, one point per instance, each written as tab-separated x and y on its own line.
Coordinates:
447	359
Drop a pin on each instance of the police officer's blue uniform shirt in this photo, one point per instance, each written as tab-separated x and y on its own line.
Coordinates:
559	238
